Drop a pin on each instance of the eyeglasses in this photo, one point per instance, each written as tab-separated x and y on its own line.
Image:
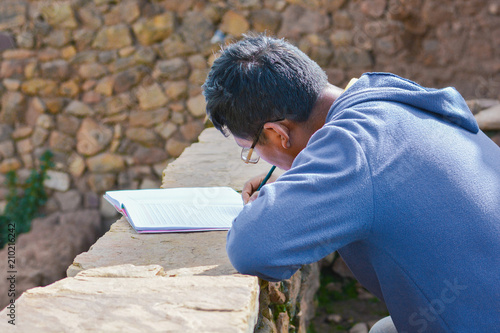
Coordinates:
247	154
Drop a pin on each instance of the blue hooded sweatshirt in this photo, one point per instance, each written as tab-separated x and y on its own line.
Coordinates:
401	181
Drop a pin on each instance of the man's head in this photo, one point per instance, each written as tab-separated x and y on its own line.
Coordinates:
261	79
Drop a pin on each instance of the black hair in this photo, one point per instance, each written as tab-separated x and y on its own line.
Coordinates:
260	79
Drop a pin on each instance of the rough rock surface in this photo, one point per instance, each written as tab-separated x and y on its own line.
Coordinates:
42	255
138	299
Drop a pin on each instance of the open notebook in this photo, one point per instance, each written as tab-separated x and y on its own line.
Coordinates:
178	209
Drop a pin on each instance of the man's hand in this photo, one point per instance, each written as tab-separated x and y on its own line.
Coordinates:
249	192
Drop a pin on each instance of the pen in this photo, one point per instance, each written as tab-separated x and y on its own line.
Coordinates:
264	181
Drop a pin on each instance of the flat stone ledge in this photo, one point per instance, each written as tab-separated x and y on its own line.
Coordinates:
181	254
131	298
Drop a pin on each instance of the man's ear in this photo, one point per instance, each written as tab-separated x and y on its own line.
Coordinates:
278	131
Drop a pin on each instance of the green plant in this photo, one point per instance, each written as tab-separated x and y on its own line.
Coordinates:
20	210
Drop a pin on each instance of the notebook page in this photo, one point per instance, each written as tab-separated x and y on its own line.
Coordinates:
192	209
160	215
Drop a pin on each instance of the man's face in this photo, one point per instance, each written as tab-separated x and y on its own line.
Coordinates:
270	152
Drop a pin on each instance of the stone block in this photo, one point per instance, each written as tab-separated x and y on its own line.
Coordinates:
12	107
25	40
143	156
148	118
83	39
22	132
53	105
12	14
175	147
173	69
12	68
100	183
45	121
7	149
175	46
192	130
10	164
234	23
105	86
58	38
58	69
155	29
57	180
124	11
24	146
142	135
127	79
91	71
91	97
435	12
88	84
166	130
176	89
149	184
69	89
359	328
489	119
69	201
79	109
5	131
38	86
48	54
265	20
198	76
151	97
11	84
76	165
67	123
283	322
90	17
144	55
197	105
92	137
298	21
39	136
113	37
218	303
59	141
118	103
477	105
197	30
373	8
340	38
59	14
105	162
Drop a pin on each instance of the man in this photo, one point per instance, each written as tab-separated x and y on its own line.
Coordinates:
398	178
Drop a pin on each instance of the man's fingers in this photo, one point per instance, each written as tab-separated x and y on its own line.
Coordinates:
250	188
249	192
253	197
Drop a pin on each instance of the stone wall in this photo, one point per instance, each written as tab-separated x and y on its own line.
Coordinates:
113	87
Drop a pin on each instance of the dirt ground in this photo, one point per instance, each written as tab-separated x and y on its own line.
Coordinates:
341	303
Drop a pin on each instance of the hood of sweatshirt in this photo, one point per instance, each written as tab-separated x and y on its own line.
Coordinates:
446	103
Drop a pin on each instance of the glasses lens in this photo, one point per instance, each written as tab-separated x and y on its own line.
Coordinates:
248	155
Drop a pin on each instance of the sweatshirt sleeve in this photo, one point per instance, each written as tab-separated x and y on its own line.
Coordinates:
322	203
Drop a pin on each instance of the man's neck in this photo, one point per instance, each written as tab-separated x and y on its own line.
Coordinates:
303	131
320	110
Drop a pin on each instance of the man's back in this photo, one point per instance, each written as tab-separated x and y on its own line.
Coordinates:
401	181
434	242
